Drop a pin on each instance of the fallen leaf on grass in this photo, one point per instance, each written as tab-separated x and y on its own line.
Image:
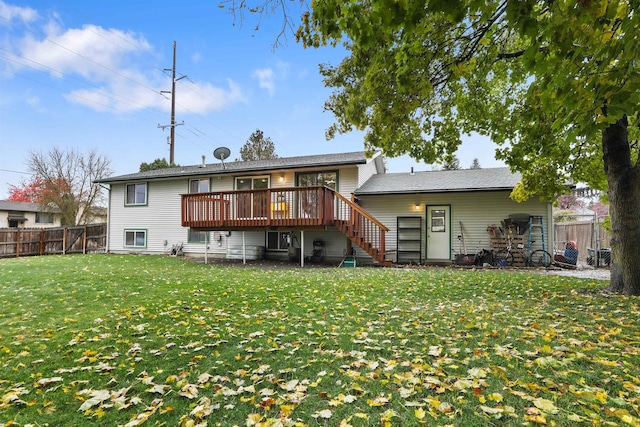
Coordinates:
326	414
190	391
380	400
97	397
546	405
44	382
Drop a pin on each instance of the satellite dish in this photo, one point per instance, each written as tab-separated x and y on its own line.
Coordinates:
222	153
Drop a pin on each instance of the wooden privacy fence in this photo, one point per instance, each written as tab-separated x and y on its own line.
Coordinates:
587	234
17	242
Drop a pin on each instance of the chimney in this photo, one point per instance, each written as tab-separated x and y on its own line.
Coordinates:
204	162
411	170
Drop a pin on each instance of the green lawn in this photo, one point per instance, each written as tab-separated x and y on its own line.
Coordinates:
126	340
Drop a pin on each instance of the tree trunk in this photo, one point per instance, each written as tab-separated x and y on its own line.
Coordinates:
624	198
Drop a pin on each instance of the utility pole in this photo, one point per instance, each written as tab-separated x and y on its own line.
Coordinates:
173	124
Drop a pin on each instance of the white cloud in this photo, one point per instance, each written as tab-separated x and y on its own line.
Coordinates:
9	13
93	52
266	79
204	97
113	69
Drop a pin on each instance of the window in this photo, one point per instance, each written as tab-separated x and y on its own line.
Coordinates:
136	194
44	218
278	240
135	238
437	221
308	179
252	204
198	236
199	185
309	200
15	223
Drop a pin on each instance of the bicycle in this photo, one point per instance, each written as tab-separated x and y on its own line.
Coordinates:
537	258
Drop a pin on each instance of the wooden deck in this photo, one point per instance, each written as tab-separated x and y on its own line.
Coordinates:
294	208
300	208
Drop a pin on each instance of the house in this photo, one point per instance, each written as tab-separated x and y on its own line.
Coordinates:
312	208
23	214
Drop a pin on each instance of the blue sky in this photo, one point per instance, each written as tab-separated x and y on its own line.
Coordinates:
88	74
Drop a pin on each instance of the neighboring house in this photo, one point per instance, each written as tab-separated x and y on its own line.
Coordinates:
98	215
30	215
324	206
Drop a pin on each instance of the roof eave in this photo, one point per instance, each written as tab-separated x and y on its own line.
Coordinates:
453	190
205	171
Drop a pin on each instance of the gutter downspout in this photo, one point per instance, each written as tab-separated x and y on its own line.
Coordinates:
108	240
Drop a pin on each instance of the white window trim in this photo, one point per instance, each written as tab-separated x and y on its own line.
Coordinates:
200	180
135	230
146	194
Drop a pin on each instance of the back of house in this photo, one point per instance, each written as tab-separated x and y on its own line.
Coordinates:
319	208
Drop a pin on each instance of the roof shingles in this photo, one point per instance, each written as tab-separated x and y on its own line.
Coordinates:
357	157
440	181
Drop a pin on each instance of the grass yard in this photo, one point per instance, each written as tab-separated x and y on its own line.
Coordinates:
110	340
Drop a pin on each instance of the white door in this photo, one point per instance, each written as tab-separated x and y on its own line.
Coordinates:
438	232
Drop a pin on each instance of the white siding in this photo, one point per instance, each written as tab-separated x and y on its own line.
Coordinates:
31	220
160	217
222	183
476	211
348	181
366	171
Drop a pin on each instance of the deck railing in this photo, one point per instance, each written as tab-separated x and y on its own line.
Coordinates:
362	228
293	207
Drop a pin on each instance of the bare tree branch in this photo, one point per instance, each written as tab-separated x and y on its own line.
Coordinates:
267	8
68	181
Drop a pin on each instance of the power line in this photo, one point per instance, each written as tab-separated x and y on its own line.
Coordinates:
84	82
88	100
173	124
202	135
18	172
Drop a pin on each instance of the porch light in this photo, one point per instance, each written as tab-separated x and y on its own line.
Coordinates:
281	178
417	206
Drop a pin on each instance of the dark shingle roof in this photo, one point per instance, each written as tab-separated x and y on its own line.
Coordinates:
354	158
7	205
440	181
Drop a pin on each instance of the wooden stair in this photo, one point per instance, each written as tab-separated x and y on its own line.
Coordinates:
361	228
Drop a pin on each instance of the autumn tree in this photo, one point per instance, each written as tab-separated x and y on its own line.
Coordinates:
28	191
554	83
258	147
157	164
67	181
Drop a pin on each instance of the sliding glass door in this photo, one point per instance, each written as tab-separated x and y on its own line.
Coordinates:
252	204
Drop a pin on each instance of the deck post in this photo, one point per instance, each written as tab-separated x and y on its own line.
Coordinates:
301	248
206	247
244	250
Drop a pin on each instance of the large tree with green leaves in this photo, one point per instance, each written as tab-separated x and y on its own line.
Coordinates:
555	83
157	164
